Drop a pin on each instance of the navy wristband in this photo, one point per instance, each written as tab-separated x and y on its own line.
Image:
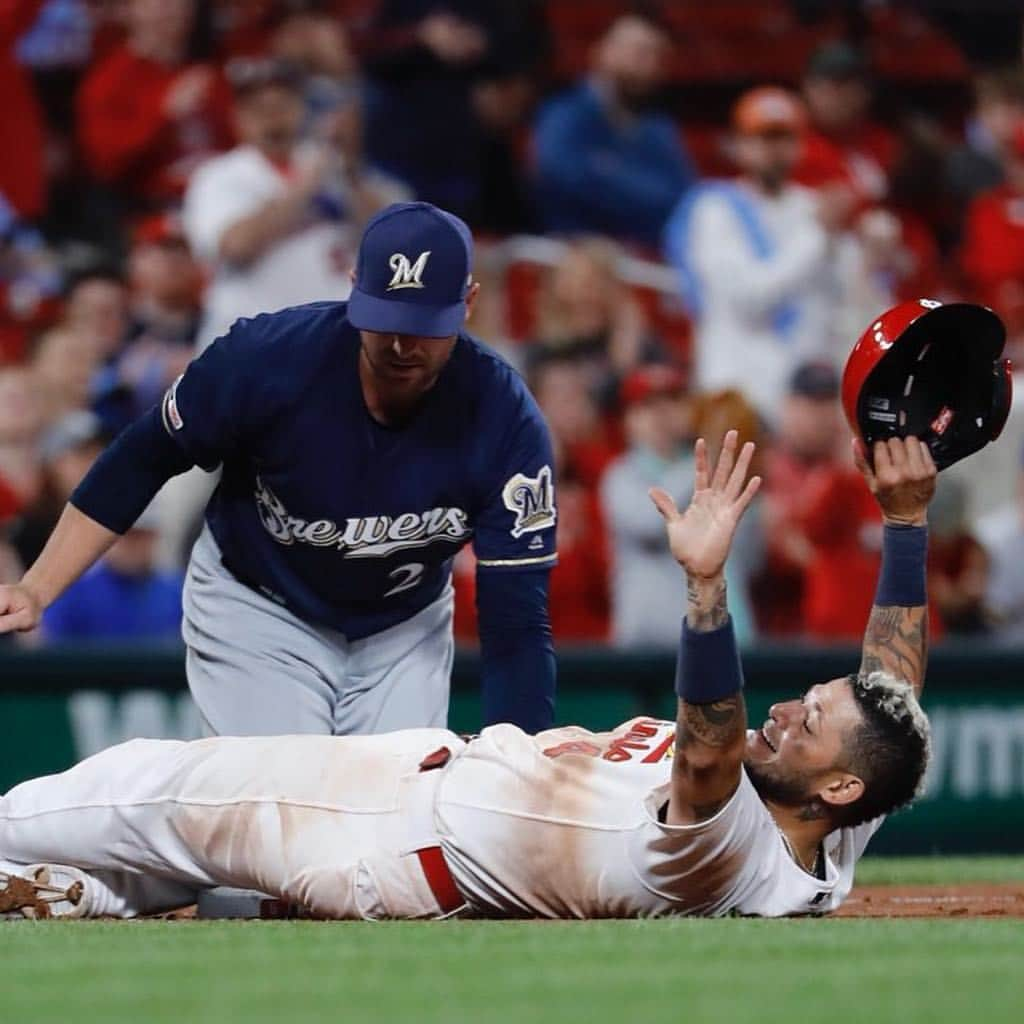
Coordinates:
708	668
901	581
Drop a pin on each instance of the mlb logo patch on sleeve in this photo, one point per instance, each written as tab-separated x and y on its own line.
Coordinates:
171	416
532	499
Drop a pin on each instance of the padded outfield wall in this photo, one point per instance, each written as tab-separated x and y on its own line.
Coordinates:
58	706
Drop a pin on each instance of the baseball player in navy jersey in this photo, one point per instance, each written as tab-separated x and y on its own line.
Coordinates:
361	445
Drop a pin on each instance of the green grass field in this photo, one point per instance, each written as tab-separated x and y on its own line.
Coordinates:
724	971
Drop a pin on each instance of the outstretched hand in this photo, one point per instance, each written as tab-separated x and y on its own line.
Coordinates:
902	477
700	537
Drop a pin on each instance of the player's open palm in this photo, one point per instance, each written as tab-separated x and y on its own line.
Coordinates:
700	536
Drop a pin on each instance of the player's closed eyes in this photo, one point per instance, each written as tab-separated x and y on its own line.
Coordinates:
803	701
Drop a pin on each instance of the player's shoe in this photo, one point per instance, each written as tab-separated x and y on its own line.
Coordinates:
44	891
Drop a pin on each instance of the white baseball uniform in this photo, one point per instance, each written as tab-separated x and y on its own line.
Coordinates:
562	824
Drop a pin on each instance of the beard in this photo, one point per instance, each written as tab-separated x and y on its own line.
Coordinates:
777	787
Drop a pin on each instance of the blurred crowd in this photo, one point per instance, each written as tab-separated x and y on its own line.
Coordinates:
698	245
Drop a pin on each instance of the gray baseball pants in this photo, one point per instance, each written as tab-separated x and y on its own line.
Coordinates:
255	669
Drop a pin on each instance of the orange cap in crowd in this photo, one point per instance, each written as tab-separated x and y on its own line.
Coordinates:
768	108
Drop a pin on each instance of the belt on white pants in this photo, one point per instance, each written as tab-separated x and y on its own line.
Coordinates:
435	868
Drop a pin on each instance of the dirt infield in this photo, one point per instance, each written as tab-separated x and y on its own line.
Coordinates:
965	899
976	900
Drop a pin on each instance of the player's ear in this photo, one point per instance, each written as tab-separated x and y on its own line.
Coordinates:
471	294
841	788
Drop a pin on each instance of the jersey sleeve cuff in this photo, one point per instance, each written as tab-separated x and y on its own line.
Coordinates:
540	561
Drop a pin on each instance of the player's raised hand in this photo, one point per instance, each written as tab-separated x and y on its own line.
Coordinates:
20	609
902	478
700	537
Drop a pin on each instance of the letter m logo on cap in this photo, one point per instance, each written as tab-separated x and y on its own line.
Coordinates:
406	274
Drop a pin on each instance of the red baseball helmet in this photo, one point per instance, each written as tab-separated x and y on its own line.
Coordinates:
933	371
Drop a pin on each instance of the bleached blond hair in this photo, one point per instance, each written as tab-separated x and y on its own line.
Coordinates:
889	749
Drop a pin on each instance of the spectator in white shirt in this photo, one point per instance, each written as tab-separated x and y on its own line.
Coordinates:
755	259
277	217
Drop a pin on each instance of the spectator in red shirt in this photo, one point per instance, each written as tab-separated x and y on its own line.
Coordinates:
977	164
799	468
562	385
846	150
844	146
147	115
839	518
958	564
580	605
22	179
993	249
823	524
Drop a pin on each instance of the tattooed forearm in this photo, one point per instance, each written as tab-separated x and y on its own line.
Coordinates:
715	725
710	737
896	641
706	607
709	751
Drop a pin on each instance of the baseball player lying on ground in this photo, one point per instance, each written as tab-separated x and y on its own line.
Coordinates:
701	816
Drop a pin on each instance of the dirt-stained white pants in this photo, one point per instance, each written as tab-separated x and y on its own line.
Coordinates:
330	823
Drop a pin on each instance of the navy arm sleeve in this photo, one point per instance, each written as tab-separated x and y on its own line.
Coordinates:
200	422
126	477
517	654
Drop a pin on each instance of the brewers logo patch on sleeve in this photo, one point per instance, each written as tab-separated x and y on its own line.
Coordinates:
532	499
515	529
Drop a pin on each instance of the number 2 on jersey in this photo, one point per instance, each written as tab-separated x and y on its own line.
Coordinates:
407	575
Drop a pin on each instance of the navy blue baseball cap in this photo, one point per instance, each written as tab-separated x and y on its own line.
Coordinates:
412	273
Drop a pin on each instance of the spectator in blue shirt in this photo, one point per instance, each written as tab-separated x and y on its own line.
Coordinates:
125	597
606	161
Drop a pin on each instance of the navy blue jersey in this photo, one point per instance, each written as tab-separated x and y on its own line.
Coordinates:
346	522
